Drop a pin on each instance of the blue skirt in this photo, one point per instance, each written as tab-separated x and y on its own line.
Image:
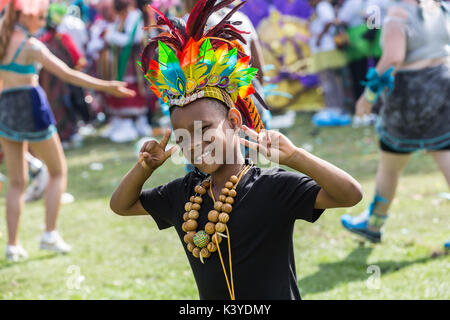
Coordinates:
25	115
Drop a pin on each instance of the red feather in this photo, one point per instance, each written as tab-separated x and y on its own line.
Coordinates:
199	6
242	107
202	19
190	54
171	26
218	27
148	53
222	4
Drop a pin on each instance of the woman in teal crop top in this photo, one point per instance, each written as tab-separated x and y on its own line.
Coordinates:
15	67
26	119
415	114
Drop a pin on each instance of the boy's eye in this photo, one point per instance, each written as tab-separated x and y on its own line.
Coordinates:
182	144
203	129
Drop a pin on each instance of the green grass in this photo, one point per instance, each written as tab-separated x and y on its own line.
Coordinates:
128	258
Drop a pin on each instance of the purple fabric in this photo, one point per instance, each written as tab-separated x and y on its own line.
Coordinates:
297	8
42	113
308	81
257	10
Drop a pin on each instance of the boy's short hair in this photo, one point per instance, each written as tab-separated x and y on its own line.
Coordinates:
214	102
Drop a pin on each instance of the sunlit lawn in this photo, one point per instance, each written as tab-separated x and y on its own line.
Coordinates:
128	258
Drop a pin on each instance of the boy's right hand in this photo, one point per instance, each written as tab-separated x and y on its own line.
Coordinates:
154	154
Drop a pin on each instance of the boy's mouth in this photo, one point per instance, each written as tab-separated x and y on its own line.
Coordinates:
208	150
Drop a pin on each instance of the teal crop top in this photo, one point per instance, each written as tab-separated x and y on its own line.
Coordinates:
15	67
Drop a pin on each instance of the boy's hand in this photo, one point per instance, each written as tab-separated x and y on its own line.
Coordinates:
338	188
272	144
154	154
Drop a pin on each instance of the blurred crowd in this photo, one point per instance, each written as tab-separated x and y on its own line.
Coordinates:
103	38
319	52
313	54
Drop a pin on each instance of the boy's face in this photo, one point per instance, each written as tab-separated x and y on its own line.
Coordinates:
206	132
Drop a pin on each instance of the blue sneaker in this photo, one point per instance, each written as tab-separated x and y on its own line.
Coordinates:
447	245
331	118
360	225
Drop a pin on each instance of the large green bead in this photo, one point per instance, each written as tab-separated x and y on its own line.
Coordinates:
201	239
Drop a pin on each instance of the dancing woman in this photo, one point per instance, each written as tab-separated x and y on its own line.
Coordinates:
26	117
415	114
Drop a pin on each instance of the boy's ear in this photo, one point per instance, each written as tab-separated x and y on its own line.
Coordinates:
234	116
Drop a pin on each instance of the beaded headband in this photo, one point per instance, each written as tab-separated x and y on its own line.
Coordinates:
193	63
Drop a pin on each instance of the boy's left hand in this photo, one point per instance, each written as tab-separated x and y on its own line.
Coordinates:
275	146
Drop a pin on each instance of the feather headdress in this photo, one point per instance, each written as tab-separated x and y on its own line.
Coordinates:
194	62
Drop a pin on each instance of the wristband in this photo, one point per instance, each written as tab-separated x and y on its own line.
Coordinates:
370	96
375	83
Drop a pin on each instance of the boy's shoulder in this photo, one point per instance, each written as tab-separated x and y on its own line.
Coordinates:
279	172
192	177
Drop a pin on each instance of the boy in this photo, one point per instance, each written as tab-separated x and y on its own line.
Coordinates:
239	247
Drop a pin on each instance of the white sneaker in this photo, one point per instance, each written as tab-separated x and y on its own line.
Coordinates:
15	253
143	127
125	132
364	121
112	126
36	189
76	140
52	241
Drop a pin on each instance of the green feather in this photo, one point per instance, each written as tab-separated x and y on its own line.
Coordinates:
207	54
250	73
171	69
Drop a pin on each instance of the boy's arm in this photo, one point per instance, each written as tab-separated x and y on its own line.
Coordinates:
338	188
125	199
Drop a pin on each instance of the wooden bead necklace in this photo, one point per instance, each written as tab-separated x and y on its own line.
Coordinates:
204	242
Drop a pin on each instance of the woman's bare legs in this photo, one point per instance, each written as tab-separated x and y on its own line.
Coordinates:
442	159
369	223
388	174
17	168
51	152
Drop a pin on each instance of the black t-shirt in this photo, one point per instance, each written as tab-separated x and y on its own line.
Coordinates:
261	226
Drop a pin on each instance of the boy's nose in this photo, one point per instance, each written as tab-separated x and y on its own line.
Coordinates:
197	147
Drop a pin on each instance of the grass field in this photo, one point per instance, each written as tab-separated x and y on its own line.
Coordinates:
128	258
